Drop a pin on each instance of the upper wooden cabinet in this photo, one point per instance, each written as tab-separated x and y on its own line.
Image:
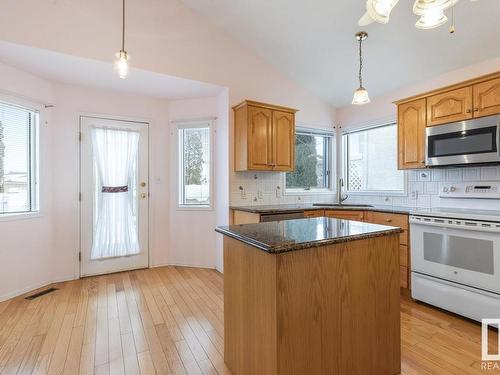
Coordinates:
411	134
264	137
462	101
454	105
486	98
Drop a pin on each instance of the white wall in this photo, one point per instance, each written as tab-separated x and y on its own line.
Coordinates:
423	184
165	37
192	240
71	102
26	244
381	109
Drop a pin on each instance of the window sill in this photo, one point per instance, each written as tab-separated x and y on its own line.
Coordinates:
380	193
20	216
309	192
195	208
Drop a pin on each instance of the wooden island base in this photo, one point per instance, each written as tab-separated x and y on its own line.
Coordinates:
325	310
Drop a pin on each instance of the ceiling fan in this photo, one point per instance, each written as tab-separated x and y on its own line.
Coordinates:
430	12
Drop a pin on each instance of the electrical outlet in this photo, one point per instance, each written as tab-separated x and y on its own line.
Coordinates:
259	194
414	195
243	193
278	192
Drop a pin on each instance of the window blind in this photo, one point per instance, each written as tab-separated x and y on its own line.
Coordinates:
17	159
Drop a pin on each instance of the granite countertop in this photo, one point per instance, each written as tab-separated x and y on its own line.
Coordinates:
281	236
290	208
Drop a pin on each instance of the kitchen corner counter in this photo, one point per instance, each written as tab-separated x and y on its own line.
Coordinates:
291	208
282	236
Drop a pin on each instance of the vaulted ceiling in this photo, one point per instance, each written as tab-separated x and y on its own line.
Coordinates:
313	41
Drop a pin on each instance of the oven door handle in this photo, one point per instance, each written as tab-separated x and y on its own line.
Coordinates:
457	224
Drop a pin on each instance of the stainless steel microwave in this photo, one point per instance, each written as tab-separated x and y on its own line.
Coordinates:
464	142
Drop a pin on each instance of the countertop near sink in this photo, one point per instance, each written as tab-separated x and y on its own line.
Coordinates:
282	236
289	208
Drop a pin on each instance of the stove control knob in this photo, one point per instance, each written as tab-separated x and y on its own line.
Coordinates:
445	189
452	189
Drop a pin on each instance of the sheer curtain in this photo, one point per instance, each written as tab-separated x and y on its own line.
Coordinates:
115	161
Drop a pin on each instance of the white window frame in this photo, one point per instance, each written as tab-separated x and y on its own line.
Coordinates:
34	149
194	125
332	165
345	167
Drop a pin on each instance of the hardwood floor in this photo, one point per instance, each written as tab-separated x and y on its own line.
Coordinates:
169	320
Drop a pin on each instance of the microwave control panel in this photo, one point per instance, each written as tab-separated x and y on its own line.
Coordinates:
485	190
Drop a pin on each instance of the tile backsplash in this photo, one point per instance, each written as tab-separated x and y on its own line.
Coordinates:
260	188
248	188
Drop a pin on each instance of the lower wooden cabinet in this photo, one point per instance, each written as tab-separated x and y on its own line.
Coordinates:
403	277
382	218
403	255
397	220
243	217
314	213
345	214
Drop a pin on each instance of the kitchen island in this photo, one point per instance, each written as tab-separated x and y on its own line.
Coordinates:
311	296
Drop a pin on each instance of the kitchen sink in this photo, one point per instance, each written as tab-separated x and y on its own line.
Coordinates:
341	205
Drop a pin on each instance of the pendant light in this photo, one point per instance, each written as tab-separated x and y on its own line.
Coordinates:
361	95
122	57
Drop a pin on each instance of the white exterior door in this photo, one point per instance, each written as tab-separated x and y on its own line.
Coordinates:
114	189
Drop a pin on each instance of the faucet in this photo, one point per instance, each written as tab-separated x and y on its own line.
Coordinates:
341	197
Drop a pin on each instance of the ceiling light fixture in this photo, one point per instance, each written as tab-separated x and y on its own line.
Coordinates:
361	95
378	11
122	57
431	12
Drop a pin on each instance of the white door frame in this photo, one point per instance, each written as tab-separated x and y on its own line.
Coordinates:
147	123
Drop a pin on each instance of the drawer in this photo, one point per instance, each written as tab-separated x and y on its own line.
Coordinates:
345	214
243	217
382	218
403	238
403	277
314	213
403	255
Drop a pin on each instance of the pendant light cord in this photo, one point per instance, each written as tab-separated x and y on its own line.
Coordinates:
123	26
360	63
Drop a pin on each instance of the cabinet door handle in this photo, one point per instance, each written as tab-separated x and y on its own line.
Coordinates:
468	111
388	220
476	109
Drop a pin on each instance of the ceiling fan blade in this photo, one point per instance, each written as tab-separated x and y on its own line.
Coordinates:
365	19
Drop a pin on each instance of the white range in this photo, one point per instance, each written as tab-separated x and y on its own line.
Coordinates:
455	254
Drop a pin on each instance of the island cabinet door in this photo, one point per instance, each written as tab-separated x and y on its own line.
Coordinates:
450	106
260	147
487	98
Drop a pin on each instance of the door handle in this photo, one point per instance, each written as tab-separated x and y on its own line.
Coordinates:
144	195
143	184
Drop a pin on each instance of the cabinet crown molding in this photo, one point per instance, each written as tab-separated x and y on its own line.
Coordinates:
265	105
454	86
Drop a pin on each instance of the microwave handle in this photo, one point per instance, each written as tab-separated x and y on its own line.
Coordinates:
498	138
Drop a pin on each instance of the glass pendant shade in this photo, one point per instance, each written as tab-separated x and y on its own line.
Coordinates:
121	64
360	96
378	11
431	12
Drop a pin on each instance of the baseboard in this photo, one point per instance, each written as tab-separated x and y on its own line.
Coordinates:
42	284
30	288
178	264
